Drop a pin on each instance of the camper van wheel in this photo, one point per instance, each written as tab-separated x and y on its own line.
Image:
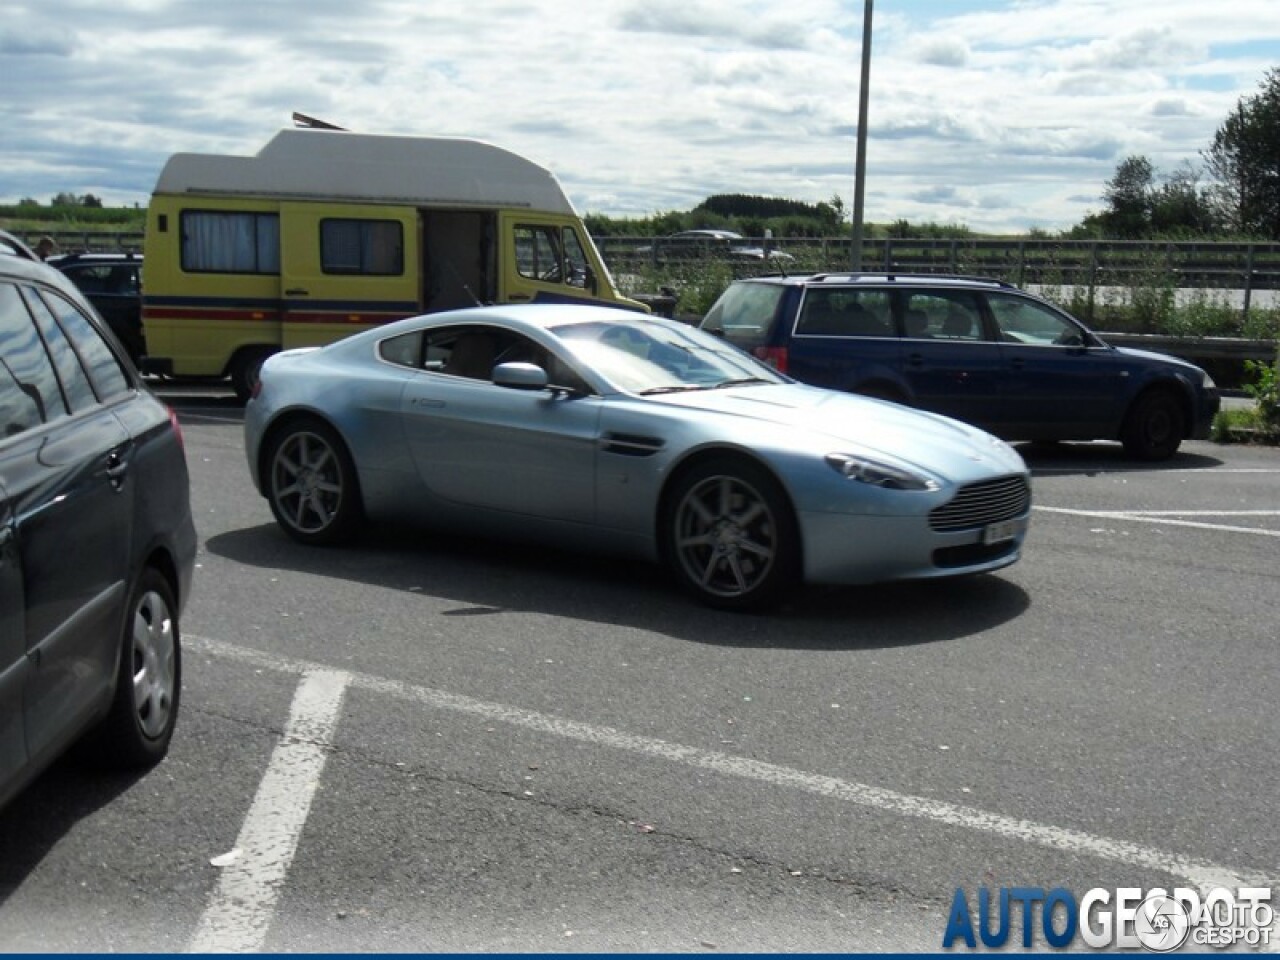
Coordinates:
245	369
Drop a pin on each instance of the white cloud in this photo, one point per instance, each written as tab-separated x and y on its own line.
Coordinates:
999	116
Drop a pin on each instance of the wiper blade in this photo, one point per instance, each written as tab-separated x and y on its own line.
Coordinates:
742	382
682	388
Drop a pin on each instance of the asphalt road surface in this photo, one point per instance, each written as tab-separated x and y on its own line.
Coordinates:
430	744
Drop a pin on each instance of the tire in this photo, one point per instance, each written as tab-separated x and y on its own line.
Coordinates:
1154	427
137	731
311	483
729	535
245	370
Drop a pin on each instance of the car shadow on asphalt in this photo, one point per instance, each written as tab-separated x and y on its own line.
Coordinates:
50	807
483	577
1083	459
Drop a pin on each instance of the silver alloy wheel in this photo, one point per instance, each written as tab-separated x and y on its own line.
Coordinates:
725	536
306	482
154	663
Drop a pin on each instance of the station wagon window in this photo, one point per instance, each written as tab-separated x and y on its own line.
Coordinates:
845	312
1025	321
29	393
366	247
942	315
215	241
745	313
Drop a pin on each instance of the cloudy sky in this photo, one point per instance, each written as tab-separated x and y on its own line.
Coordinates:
999	114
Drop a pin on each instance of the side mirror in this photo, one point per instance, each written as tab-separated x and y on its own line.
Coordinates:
520	376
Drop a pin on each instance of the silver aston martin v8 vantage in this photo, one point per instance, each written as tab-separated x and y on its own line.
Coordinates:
600	429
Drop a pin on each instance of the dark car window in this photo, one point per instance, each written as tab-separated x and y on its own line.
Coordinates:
1025	321
745	313
76	386
942	315
27	365
843	312
104	369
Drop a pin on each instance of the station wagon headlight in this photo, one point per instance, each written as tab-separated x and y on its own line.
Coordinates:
879	474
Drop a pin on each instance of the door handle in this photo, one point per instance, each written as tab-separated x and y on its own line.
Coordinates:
916	360
520	297
117	469
297	292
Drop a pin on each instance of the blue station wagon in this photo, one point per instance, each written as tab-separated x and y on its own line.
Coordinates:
981	351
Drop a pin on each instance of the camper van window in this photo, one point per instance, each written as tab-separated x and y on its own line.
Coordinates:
219	242
538	253
370	247
576	257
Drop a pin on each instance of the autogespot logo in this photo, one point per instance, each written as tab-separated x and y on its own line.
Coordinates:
1129	917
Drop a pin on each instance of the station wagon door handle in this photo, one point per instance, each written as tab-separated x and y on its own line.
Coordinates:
117	468
916	360
297	292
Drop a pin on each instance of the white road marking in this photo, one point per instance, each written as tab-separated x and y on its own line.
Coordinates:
1166	518
1201	873
240	910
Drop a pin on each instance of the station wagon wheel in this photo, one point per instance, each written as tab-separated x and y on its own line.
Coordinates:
137	731
729	535
311	483
1154	427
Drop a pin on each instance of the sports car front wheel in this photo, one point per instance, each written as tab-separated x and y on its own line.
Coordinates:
729	534
311	483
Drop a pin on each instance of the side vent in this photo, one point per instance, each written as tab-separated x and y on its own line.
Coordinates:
630	444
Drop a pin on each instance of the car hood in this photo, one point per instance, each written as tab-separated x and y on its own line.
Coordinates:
854	423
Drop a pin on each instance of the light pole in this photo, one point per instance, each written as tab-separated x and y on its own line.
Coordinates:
860	170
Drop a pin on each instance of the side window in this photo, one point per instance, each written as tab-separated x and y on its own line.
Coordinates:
845	312
104	369
367	247
1025	321
473	352
29	393
214	241
76	386
404	350
942	315
538	253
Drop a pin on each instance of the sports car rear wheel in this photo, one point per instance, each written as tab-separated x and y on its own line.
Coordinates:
311	483
730	536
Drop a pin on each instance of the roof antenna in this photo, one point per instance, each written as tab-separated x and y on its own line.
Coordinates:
311	123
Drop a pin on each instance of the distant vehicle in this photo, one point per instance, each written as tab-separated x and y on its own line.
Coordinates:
112	282
325	233
979	350
608	431
724	243
97	545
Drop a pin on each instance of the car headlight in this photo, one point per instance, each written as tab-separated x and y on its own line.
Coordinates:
879	474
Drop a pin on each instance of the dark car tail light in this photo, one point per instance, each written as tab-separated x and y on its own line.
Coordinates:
775	357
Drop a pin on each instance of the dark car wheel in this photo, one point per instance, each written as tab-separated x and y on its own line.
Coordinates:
245	370
1155	426
137	731
311	483
729	535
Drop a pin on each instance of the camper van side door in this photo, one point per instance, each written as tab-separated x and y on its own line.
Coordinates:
344	268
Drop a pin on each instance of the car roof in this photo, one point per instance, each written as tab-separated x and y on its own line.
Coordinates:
17	261
67	259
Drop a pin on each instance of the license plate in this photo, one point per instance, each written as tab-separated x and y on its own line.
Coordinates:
1000	532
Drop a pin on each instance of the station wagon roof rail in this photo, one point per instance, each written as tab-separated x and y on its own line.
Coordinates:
882	277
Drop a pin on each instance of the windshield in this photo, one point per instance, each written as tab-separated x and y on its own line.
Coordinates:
650	358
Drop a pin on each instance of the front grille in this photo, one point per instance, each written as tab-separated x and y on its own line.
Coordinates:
979	504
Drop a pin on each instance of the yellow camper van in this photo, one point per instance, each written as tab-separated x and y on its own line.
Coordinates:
324	233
